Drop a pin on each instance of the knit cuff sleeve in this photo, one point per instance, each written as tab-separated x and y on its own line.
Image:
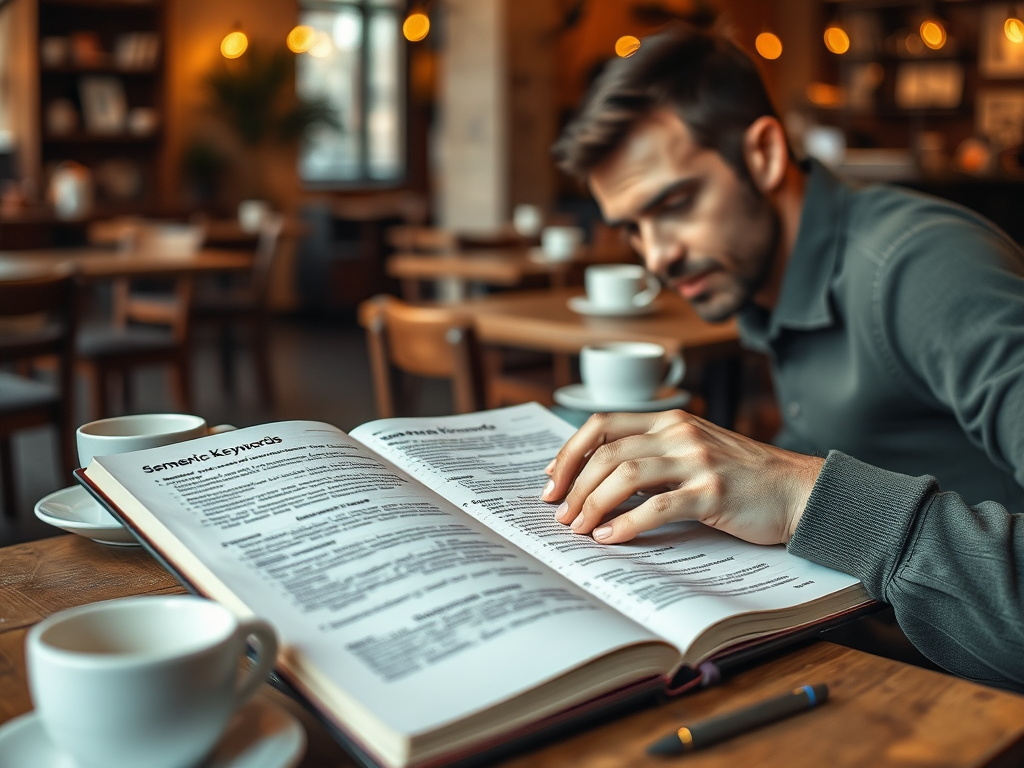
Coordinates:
858	518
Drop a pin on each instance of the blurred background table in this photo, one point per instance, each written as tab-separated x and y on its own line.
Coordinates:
95	264
880	712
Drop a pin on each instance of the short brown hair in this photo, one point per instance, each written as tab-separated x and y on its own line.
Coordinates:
703	77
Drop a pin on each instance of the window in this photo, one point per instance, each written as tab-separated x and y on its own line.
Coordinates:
357	63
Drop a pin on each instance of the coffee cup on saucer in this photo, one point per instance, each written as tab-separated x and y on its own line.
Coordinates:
620	287
123	434
560	243
143	682
628	371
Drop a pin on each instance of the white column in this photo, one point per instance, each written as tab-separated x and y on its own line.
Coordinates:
471	172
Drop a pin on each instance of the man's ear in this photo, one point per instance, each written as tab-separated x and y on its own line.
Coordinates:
766	153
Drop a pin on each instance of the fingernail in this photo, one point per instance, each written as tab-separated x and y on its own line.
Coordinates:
602	533
547	489
562	509
549	467
578	522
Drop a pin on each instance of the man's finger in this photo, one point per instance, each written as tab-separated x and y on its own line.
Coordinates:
664	508
600	429
625	480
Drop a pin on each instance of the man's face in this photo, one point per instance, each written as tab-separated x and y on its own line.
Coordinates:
708	234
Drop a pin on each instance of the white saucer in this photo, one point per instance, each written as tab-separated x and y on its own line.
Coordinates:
538	256
260	735
581	305
576	396
75	511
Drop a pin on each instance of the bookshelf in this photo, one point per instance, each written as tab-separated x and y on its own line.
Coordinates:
101	91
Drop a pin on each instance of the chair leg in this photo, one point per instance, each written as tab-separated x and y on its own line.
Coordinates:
126	390
181	380
99	391
7	478
261	357
227	366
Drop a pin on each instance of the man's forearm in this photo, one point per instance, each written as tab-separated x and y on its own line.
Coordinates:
951	572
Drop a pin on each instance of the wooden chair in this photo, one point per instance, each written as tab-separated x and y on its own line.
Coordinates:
26	402
246	305
422	341
145	332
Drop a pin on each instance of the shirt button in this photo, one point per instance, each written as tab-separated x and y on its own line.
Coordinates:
793	409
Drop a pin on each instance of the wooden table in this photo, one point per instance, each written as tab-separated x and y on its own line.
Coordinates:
96	264
455	271
880	713
542	320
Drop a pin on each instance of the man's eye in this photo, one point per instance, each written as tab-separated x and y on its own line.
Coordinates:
632	229
678	204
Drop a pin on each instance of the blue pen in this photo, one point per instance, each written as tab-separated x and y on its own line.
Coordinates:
707	732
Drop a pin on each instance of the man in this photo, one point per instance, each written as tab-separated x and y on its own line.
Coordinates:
894	324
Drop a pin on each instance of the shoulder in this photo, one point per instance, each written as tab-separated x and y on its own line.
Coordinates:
899	239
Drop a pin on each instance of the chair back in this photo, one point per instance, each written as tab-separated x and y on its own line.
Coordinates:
50	304
423	341
421	239
267	249
169	309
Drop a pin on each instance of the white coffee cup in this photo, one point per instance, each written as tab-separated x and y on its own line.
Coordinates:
123	434
143	682
527	220
560	243
251	214
628	371
620	286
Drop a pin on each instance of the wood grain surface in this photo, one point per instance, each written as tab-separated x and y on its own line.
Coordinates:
880	712
104	264
542	320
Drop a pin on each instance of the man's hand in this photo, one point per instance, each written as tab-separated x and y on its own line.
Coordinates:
717	477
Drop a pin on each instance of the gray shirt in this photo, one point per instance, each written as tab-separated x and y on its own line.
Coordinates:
897	348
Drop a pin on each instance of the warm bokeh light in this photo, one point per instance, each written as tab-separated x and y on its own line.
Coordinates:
322	45
233	45
626	46
933	34
825	95
836	40
1014	29
301	39
416	27
768	45
914	45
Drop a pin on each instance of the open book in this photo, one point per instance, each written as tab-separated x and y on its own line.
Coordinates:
428	603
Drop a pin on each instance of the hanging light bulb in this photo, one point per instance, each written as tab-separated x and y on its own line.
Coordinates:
300	39
626	46
768	45
234	44
1013	27
836	39
416	27
933	34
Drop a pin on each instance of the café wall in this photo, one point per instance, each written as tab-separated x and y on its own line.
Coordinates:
194	30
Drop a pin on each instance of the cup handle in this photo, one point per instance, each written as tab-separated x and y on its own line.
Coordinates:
645	297
676	368
266	639
221	428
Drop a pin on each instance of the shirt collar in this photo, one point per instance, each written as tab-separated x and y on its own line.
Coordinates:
804	297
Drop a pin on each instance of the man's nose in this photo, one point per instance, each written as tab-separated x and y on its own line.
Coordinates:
660	250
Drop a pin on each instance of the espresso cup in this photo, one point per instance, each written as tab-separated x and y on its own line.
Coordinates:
560	243
123	434
620	286
143	682
628	371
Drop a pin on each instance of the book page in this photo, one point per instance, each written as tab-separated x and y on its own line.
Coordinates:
381	584
677	580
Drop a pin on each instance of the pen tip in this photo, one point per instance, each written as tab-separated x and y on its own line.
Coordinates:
669	745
